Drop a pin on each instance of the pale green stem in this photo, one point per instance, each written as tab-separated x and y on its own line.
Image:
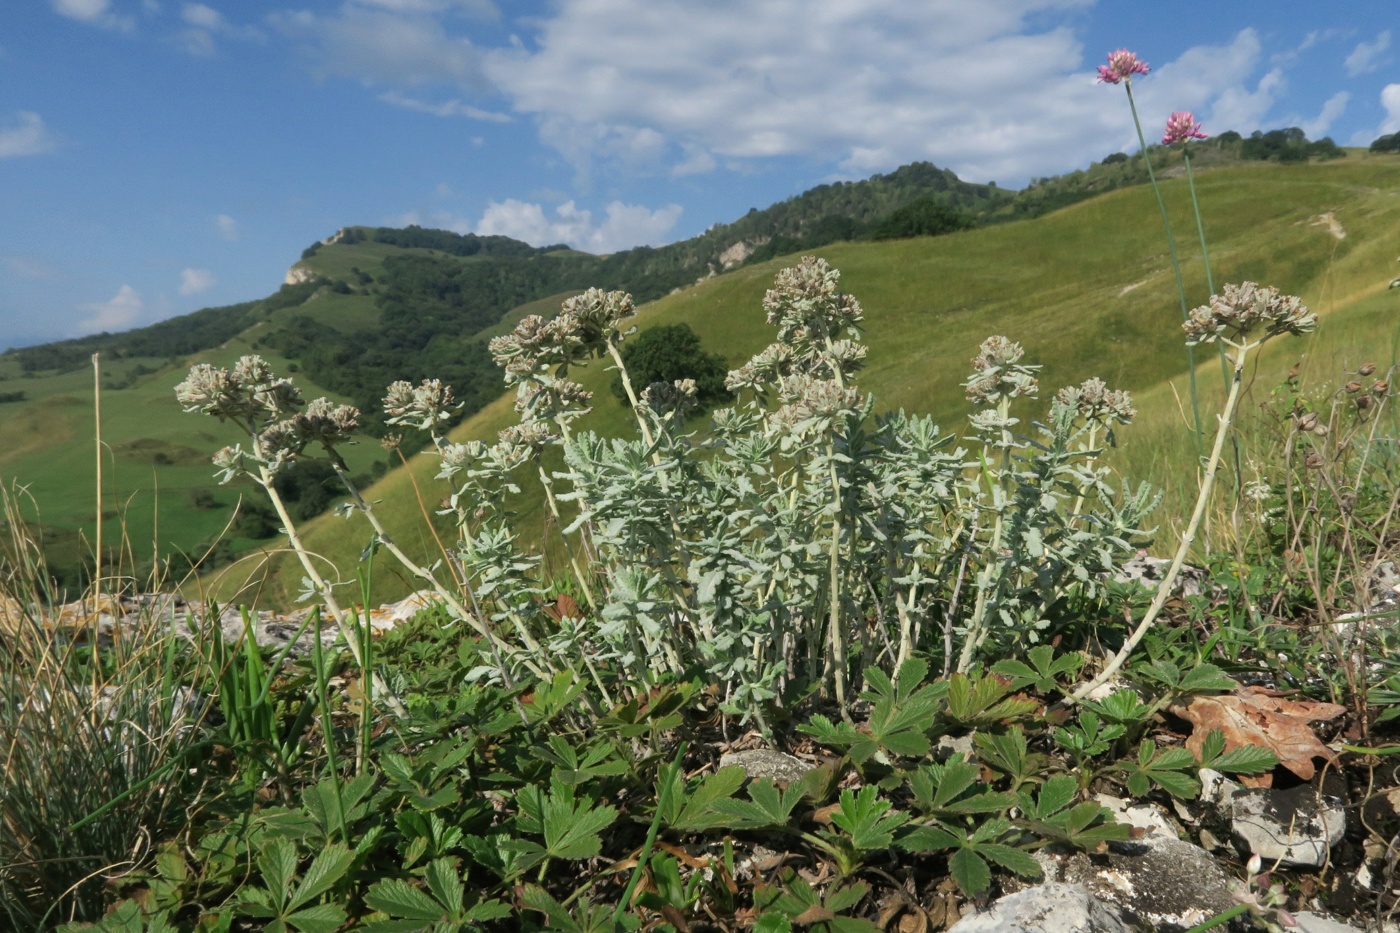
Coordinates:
1176	262
428	577
548	485
838	637
1205	252
977	630
1188	538
1091	459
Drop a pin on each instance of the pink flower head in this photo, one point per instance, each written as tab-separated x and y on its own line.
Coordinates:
1122	65
1181	126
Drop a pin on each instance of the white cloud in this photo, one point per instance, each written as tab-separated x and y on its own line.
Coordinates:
1336	105
380	46
1243	110
194	281
204	24
1390	100
482	9
116	314
30	137
982	88
451	108
1367	56
626	225
226	226
93	12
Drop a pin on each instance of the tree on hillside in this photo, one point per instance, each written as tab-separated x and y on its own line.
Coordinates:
1388	143
923	217
668	353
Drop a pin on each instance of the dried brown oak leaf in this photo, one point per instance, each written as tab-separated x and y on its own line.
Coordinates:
1257	716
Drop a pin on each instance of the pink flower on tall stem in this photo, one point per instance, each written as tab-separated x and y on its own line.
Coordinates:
1181	126
1122	65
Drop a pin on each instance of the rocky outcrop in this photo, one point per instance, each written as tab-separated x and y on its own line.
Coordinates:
299	273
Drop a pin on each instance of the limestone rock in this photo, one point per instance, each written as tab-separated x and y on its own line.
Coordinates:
1293	827
1144	816
761	763
1158	881
1046	908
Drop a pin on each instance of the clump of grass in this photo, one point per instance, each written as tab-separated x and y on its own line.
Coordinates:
93	739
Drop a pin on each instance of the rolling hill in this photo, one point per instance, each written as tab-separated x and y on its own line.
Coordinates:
1086	288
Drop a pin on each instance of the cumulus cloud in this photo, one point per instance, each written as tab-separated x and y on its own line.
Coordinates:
451	108
625	226
1368	56
1239	108
1335	106
481	9
194	281
93	12
30	137
1390	100
115	314
871	85
226	226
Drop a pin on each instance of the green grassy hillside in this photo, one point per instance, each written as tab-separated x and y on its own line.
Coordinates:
1088	290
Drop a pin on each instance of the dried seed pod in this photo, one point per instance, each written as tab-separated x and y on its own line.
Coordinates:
1363	402
1353	387
1381	387
1366	369
1307	420
1313	461
1320	429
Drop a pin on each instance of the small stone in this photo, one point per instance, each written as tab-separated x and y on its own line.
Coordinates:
1160	881
1144	816
1309	922
1292	827
759	763
1216	788
1046	908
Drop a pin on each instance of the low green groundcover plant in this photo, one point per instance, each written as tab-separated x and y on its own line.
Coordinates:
794	569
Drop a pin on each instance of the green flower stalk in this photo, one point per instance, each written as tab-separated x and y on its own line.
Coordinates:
1121	67
1243	318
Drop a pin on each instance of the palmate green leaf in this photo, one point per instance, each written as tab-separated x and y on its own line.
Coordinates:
327	868
1167	768
1246	759
766	808
1205	678
981	701
278	864
401	899
1042	671
869	819
934	785
970	871
797	901
1124	707
323	918
860	746
693	810
572	825
1012	859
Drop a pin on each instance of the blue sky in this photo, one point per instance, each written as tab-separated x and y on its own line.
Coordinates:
159	156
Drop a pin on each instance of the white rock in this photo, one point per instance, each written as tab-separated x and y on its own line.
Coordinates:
1159	881
1309	922
1144	816
1046	908
1216	788
1292	827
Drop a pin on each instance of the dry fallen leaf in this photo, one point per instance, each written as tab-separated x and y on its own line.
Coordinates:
1256	716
